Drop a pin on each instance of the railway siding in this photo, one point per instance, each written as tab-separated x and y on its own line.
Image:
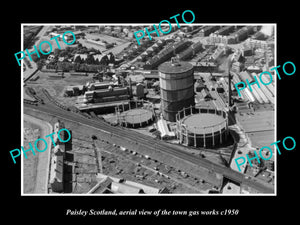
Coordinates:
146	145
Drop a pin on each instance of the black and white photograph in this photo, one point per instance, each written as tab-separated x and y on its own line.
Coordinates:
150	113
147	112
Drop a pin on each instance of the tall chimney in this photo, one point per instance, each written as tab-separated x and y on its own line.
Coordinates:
230	103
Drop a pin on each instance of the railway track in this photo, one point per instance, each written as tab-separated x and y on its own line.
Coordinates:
150	143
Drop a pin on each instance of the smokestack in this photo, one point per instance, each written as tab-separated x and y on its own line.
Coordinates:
230	103
130	87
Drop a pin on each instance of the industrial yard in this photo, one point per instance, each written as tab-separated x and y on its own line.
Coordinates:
162	117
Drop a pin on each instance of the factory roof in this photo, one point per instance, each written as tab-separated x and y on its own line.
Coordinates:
125	189
101	105
163	128
176	67
56	173
120	186
259	126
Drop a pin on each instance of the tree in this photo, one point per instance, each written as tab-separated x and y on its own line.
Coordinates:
78	60
261	165
63	53
90	59
83	67
35	58
76	66
65	66
112	58
39	65
57	52
104	60
68	49
97	62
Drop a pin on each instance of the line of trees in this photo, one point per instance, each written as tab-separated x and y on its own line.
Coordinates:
105	60
67	66
90	64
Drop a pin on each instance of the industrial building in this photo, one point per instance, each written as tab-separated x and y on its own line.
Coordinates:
67	36
113	185
150	95
99	92
177	87
164	130
56	179
108	95
100	43
74	90
57	170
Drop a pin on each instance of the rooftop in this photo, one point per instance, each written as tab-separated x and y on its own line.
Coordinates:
197	123
259	126
177	67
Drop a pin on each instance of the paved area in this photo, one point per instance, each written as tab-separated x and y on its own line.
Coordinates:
121	43
43	157
161	150
259	126
243	148
231	188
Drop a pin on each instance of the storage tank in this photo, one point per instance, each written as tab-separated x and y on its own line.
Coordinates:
202	127
140	91
176	87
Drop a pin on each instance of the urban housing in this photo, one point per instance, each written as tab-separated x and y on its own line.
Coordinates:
159	117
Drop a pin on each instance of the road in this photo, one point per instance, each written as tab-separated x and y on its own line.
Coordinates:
156	145
40	34
29	71
42	170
